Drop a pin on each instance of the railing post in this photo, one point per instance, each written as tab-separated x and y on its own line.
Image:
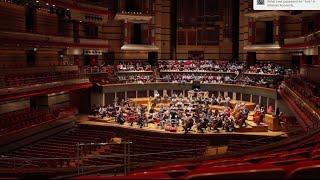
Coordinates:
81	151
125	159
129	157
78	158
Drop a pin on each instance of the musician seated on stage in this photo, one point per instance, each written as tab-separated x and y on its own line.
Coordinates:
120	118
94	110
191	111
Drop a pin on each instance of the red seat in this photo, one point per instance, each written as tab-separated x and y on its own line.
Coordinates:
304	170
144	175
260	171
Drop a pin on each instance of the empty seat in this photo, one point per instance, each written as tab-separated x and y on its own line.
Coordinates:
262	171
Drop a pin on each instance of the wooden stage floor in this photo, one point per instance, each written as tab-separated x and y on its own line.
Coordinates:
84	120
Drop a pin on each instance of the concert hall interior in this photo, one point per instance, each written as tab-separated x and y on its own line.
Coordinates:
158	89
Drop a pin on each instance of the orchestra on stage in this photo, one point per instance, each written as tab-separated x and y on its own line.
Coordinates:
197	112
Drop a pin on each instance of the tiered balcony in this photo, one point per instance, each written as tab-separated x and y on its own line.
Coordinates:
32	81
81	8
267	14
50	40
135	17
310	40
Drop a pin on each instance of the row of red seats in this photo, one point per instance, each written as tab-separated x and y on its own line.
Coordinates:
303	161
61	146
15	80
305	89
64	111
162	147
10	122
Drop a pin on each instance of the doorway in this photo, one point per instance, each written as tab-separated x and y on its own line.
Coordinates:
251	58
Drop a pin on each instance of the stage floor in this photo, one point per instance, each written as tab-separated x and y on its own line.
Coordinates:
84	120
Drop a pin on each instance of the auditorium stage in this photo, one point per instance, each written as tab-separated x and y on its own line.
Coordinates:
84	121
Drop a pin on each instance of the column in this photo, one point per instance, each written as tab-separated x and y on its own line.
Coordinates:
251	30
241	97
267	103
148	93
276	36
151	32
136	94
250	97
115	97
76	31
103	99
259	99
126	32
76	60
125	95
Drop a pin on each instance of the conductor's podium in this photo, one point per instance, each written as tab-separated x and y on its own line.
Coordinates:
252	127
272	122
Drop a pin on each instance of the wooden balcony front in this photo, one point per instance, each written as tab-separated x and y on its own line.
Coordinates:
135	17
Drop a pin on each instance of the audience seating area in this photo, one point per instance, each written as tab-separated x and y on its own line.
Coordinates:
200	65
64	111
206	71
144	149
267	69
287	162
306	89
260	80
307	117
16	80
136	78
58	146
205	78
129	66
149	149
101	69
17	120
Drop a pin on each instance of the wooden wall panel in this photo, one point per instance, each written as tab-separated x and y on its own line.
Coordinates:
291	27
14	105
12	17
46	23
281	56
66	28
47	57
12	57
